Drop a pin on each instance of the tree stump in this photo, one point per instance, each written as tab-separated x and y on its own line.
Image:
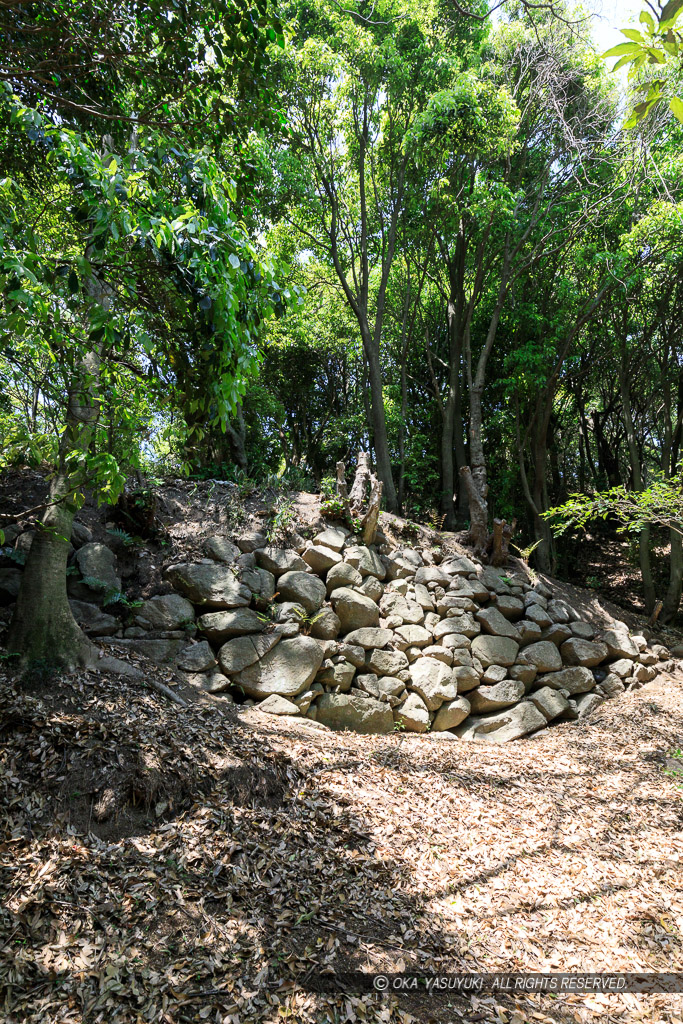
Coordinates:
353	504
493	548
361	482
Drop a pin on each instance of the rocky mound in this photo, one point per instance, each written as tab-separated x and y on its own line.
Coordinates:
371	638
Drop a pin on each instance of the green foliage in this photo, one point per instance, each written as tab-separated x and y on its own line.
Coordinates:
281	519
657	43
661	504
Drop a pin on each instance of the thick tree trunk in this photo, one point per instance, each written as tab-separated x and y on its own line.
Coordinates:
479	513
672	599
43	630
236	434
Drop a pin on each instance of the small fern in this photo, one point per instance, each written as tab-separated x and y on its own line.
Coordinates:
526	553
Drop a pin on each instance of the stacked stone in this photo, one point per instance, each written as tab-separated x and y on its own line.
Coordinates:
372	642
369	639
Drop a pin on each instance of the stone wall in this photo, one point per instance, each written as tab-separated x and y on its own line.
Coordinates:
373	638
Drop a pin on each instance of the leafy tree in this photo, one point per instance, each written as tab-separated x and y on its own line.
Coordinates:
148	278
650	49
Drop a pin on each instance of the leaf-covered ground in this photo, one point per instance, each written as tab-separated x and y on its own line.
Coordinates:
174	865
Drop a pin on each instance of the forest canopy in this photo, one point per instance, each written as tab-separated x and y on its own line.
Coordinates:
247	242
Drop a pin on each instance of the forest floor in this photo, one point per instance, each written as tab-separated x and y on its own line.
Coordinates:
251	862
255	861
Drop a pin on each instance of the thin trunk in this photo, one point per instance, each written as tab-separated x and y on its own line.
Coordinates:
636	471
672	599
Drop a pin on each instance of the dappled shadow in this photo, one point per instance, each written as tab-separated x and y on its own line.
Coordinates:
310	854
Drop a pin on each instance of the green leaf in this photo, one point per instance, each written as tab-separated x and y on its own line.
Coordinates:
234	261
622	48
622	62
633	33
676	106
647	19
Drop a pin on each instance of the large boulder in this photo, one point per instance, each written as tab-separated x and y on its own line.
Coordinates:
386	663
434	682
287	669
409	612
459	566
251	541
165	611
98	562
246	650
543	655
587	703
221	626
368	637
221	549
280	560
350	711
366	560
495	650
511	607
451	714
413	636
80	534
536	613
343	575
355	610
277	705
573	680
557	634
412	714
461	622
560	611
583	652
466	678
197	658
496	624
321	558
326	625
504	726
303	587
432	574
340	675
208	584
94	621
493	698
549	702
620	645
333	537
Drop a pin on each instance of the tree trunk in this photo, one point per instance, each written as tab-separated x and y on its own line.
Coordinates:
479	513
43	630
379	424
636	471
672	600
237	437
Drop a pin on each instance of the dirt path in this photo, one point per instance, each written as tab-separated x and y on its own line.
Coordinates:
293	853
